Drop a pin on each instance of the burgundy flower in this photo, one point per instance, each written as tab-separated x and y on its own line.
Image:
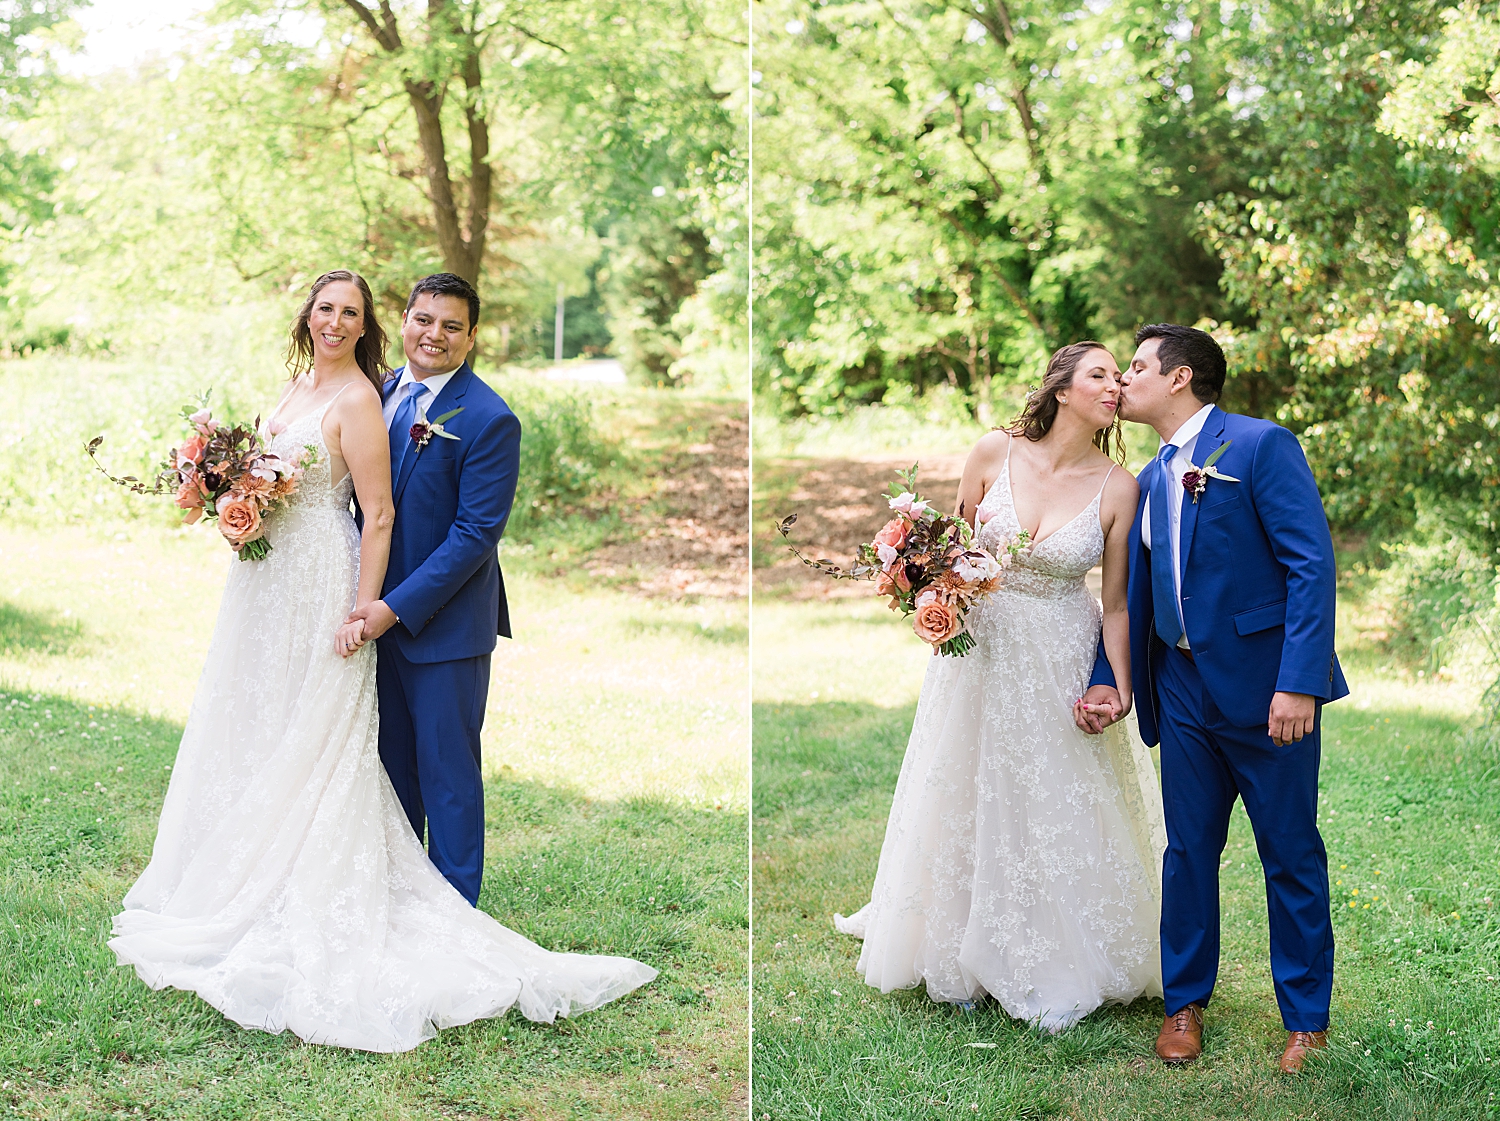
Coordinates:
1194	482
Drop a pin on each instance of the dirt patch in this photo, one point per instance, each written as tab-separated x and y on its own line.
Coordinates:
839	505
690	536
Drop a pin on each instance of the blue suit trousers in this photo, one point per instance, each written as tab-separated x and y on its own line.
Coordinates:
431	714
1205	763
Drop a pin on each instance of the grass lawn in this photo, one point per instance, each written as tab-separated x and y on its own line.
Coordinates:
1410	810
616	794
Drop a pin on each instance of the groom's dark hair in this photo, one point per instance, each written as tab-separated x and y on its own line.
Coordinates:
447	284
1190	347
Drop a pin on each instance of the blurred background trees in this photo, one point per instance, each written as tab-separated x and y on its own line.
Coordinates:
524	145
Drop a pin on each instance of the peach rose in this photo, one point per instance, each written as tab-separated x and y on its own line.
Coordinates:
190	495
884	585
191	449
893	533
935	621
239	518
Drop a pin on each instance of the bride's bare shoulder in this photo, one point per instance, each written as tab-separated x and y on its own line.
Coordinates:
991	447
1121	491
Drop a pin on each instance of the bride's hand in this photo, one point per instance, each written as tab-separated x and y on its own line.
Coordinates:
1097	709
349	638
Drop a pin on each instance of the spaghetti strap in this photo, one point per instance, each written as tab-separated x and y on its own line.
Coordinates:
347	384
1102	485
276	411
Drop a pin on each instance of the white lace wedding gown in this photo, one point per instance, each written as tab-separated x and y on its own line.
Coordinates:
286	886
1022	857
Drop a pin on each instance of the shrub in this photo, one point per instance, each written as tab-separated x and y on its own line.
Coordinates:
563	453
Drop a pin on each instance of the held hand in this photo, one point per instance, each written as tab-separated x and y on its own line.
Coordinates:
1100	707
376	616
349	638
1291	718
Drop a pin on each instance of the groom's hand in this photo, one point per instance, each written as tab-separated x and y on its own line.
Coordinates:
1291	718
1100	707
376	616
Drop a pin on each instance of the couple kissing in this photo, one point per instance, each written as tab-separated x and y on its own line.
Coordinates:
1031	855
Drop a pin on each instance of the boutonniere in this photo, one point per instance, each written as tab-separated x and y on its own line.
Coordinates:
425	429
1195	479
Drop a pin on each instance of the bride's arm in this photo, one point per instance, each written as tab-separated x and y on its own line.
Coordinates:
1120	499
360	435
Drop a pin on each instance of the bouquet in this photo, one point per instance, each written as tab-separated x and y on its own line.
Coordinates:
928	564
224	471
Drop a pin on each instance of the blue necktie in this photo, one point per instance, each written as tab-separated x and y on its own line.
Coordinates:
1163	583
406	416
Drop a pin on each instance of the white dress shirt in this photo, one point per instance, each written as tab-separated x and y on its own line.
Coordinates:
1186	439
434	385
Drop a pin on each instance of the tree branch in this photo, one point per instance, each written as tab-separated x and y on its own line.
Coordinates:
994	16
383	28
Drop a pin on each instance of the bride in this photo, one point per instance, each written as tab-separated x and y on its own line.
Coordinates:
286	886
1021	858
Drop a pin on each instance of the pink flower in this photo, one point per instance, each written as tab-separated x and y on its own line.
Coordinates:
203	421
191	449
239	518
190	496
902	502
975	567
936	621
898	574
893	533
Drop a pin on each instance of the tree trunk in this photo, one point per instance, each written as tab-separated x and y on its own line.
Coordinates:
462	249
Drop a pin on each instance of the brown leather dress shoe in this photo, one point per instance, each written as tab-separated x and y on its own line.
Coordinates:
1298	1044
1181	1036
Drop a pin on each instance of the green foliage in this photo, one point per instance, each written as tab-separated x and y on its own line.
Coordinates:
265	156
62	403
563	454
951	190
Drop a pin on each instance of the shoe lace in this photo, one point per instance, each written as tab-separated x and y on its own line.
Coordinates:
1183	1019
1302	1039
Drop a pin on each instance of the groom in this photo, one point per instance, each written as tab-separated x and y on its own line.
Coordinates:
443	601
1231	645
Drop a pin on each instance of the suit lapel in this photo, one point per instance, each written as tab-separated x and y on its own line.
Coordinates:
1209	440
445	401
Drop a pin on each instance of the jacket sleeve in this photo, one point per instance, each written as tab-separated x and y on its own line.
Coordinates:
486	492
1289	507
1104	673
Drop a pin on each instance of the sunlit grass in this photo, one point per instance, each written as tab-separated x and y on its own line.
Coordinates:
616	791
1410	810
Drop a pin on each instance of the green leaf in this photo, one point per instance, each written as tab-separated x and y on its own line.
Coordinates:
1220	450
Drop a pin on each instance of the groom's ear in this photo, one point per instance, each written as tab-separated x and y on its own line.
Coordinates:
1181	379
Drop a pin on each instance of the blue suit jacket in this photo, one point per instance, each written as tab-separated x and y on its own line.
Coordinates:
453	498
1258	579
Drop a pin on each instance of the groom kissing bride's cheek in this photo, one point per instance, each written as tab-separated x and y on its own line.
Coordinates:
1023	857
1231	604
288	886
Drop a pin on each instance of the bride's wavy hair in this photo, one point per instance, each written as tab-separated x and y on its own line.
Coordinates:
369	349
1039	413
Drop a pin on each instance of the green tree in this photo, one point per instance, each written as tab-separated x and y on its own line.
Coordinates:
26	177
952	189
1360	261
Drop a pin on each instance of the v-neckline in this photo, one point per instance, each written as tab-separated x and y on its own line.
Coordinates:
1010	496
